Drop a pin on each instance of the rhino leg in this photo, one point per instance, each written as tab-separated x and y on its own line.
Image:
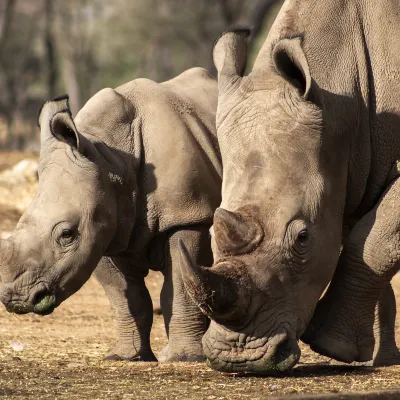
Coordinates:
184	322
343	323
385	351
133	309
385	348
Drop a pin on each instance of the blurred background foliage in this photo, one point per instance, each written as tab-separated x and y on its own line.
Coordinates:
52	47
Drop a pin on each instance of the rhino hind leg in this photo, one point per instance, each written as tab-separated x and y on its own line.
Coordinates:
385	351
133	309
184	322
359	307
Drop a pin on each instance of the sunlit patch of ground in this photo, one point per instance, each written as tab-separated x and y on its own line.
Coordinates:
60	357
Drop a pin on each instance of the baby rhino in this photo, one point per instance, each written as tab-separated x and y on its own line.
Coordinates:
137	171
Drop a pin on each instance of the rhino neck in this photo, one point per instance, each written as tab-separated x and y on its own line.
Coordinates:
124	185
119	162
341	70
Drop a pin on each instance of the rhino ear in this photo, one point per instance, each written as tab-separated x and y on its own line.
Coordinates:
291	63
55	122
230	55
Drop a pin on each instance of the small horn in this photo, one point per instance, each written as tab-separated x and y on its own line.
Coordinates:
194	278
220	290
233	234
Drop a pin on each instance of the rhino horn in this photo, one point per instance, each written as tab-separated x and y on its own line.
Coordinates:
234	234
195	279
210	289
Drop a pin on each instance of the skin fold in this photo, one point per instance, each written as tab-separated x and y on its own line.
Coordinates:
310	149
136	171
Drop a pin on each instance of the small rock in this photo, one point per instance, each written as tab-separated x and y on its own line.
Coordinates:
17	346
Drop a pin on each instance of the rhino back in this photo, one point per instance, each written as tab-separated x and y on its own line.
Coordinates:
180	176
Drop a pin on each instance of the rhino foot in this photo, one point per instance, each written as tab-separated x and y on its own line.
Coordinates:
114	355
390	358
181	355
334	334
338	348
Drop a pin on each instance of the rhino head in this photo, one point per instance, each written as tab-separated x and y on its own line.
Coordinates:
72	220
277	235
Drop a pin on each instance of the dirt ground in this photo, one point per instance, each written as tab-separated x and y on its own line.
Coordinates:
60	357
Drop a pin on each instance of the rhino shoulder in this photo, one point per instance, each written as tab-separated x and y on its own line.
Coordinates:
197	86
105	114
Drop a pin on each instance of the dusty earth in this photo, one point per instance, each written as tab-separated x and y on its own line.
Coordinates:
60	356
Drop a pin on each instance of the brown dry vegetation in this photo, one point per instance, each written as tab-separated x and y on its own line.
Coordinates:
62	357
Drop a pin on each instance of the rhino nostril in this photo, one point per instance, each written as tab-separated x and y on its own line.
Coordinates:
287	355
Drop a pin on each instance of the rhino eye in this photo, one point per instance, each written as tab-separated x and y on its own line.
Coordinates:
67	237
66	233
302	237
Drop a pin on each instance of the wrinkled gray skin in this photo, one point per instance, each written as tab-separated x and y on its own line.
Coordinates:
310	143
136	171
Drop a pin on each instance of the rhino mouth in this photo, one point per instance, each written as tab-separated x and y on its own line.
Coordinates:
41	301
227	351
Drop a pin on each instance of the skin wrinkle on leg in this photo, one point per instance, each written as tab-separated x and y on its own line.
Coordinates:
385	351
134	315
184	321
369	261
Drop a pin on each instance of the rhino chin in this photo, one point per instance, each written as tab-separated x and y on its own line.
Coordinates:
19	308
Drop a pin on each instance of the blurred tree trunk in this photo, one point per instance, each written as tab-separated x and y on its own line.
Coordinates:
6	108
6	23
52	71
258	15
72	83
76	43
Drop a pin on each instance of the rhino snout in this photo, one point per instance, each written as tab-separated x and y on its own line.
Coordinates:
39	300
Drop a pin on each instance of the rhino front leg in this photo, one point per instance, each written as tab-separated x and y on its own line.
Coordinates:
343	323
184	322
133	309
385	348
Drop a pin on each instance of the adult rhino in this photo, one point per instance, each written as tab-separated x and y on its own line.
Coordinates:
310	145
137	170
